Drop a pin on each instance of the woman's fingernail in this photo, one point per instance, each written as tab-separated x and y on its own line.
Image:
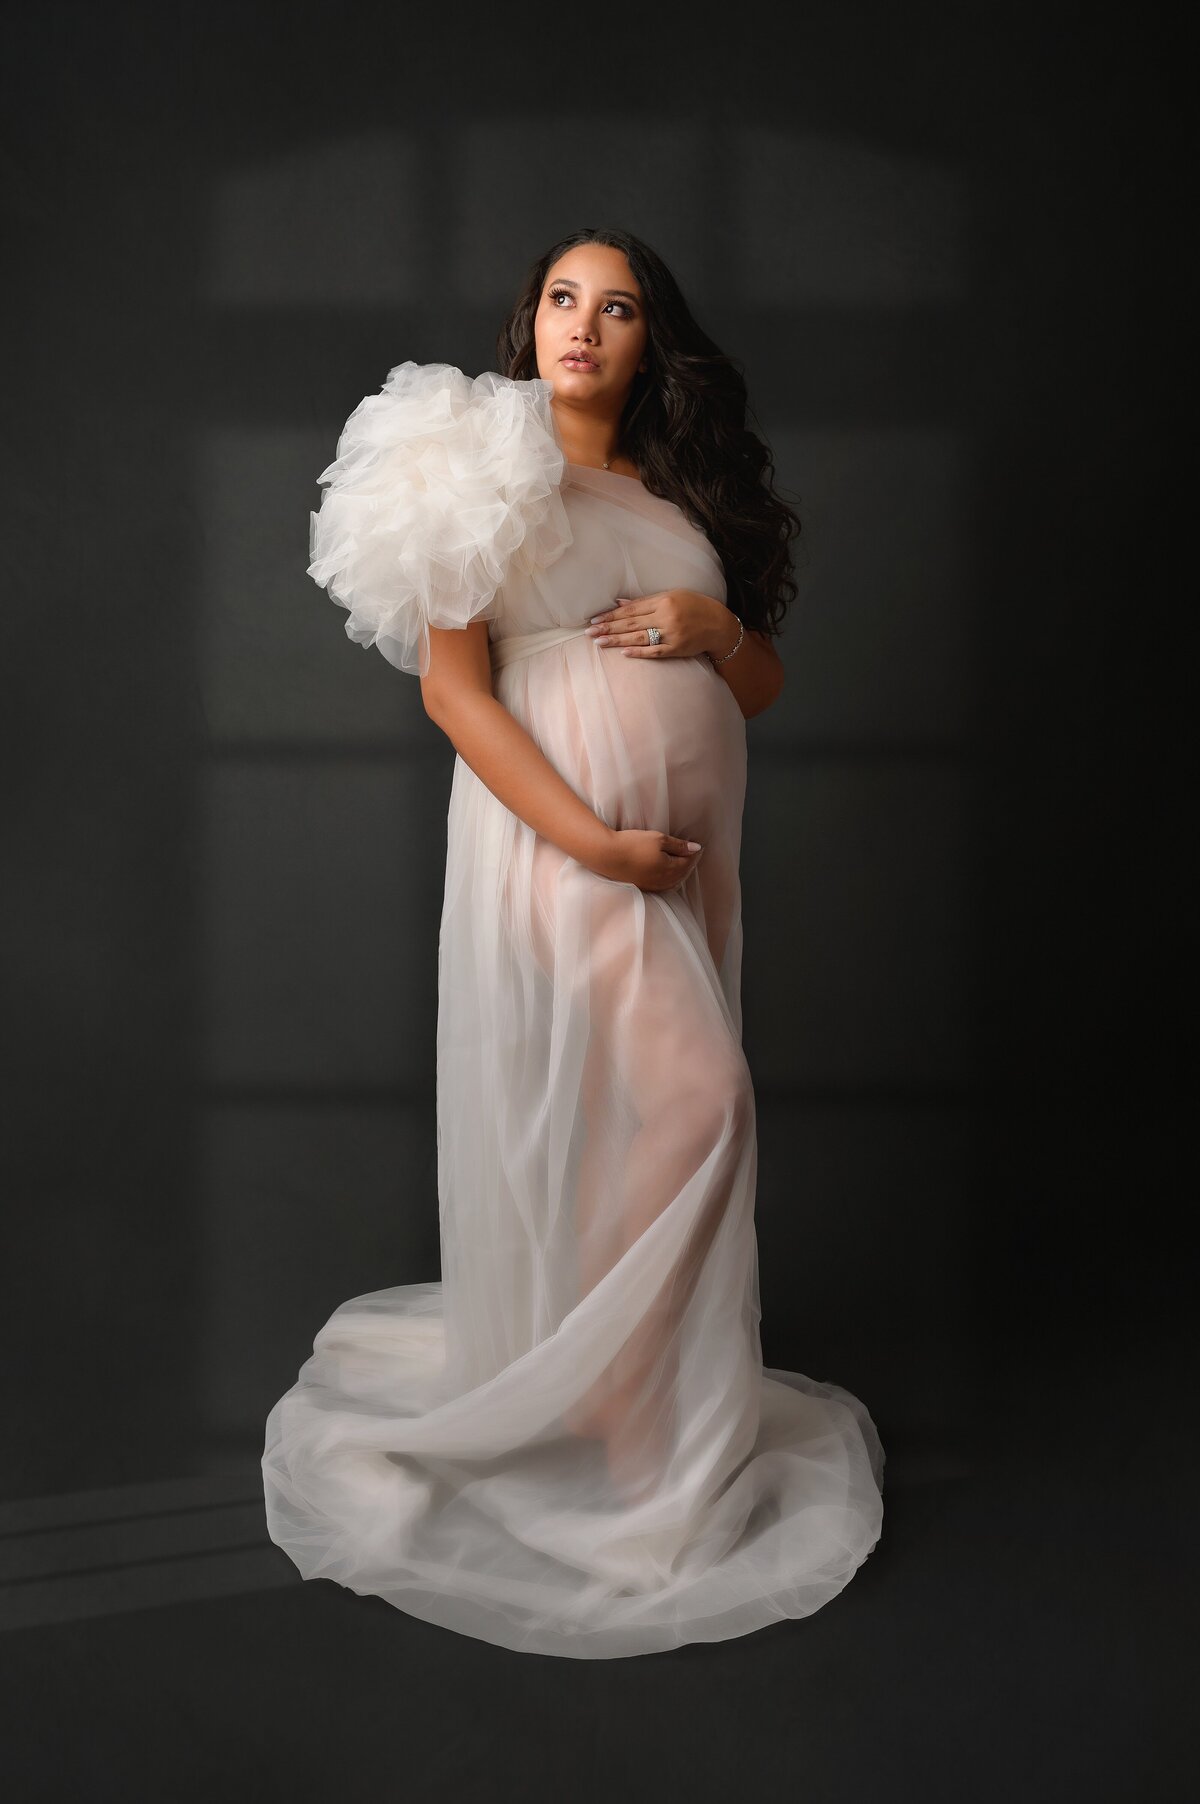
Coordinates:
693	845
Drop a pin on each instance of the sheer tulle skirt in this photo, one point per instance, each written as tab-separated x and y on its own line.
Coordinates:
569	1445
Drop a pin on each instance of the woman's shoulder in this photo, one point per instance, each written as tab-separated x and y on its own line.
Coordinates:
432	423
442	485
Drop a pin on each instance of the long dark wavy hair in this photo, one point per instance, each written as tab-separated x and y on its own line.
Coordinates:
684	427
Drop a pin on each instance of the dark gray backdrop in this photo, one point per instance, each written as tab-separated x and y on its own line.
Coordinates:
928	235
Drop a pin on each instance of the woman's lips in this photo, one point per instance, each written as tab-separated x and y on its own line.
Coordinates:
580	363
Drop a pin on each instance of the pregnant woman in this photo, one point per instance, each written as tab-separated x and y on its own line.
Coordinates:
569	1445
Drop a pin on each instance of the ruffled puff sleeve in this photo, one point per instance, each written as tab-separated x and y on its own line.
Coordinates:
443	486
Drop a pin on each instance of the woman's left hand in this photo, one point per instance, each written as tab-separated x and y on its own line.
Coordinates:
690	623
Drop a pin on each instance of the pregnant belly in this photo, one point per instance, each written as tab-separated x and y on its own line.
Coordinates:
646	742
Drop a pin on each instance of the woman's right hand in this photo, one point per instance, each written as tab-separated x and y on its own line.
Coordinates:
651	860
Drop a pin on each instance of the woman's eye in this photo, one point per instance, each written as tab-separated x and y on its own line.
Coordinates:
560	294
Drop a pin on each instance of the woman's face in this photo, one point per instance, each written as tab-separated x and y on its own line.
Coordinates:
591	305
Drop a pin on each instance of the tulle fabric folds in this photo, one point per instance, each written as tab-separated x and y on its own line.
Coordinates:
442	485
568	1443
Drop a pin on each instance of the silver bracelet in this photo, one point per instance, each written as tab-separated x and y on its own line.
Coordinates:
728	654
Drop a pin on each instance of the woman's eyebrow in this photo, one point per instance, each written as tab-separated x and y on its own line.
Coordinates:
624	293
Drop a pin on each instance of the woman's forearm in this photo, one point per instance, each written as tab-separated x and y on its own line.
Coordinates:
754	672
504	757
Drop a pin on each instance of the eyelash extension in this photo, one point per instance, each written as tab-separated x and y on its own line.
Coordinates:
554	293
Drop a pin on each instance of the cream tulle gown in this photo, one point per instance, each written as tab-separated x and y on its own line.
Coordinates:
569	1444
